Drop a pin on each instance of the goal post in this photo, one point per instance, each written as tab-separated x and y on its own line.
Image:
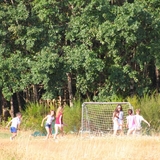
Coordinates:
96	117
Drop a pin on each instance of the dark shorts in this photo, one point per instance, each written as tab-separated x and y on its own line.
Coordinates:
13	130
48	125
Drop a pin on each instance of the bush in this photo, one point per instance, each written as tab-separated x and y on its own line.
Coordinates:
150	108
33	115
72	117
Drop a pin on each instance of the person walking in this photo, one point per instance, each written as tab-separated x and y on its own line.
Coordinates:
59	121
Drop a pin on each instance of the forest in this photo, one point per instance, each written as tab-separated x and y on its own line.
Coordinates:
70	49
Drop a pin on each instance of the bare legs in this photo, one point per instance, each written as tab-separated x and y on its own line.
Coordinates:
13	136
58	127
49	132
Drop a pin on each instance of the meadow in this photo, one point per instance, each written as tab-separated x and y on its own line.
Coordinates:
76	147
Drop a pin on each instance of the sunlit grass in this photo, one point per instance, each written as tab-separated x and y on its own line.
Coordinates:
73	147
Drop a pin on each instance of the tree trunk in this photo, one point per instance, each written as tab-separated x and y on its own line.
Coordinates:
1	102
19	102
70	89
26	95
35	94
12	107
157	79
1	106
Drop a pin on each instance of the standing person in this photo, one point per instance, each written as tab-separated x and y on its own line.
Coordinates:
120	119
59	121
138	120
48	126
15	125
115	122
130	122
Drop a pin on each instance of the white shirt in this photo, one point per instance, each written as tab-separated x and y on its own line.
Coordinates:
139	119
120	120
15	122
49	119
131	121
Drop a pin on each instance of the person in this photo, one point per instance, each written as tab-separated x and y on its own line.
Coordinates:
120	119
130	122
48	126
138	120
59	121
15	125
115	122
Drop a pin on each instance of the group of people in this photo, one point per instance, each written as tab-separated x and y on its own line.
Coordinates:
133	123
58	117
52	116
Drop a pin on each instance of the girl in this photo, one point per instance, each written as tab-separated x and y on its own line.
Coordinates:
48	126
130	122
59	121
120	119
115	122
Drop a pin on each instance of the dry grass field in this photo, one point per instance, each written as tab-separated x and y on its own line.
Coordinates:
73	147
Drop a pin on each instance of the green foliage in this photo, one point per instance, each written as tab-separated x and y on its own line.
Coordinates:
134	100
110	50
72	117
32	117
150	109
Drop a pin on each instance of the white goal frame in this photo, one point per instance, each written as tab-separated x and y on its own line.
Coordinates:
100	127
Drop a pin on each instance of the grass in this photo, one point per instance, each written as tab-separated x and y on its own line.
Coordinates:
4	135
73	147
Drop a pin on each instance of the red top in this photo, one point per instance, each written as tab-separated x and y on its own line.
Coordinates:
59	119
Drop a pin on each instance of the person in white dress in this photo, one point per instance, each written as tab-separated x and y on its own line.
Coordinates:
120	119
115	122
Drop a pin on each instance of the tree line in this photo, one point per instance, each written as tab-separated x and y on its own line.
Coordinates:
92	49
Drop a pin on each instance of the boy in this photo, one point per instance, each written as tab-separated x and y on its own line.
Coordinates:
15	124
138	121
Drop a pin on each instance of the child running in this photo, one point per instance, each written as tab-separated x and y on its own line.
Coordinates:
138	120
59	121
15	125
130	122
115	122
48	126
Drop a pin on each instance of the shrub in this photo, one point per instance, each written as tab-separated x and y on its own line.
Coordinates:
33	115
72	117
150	108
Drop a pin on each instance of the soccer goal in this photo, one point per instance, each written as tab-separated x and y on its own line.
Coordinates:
97	116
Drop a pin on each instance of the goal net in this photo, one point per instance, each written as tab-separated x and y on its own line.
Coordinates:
97	116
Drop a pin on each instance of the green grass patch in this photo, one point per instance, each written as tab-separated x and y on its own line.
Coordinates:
4	135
